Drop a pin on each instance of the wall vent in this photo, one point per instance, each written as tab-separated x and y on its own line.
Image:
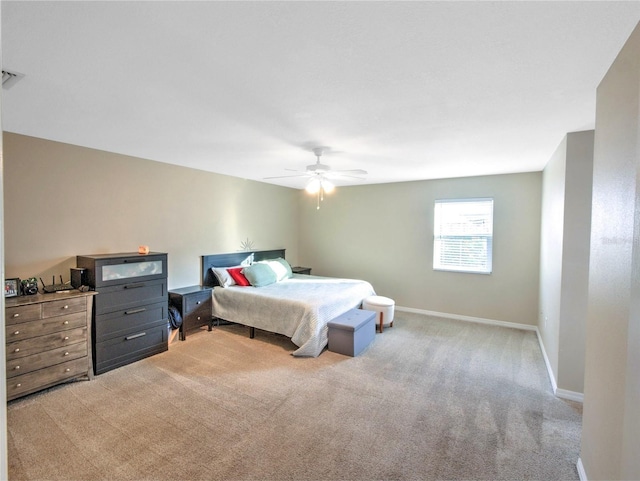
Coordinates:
10	78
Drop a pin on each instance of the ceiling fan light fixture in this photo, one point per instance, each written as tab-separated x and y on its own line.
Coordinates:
327	186
318	175
313	187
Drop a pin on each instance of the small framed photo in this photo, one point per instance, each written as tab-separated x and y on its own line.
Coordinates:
12	287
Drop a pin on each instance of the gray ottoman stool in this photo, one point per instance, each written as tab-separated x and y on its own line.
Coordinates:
351	332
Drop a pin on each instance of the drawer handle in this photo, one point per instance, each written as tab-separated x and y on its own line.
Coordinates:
135	336
16	333
18	385
66	338
66	307
135	311
66	353
67	370
198	302
198	317
17	367
133	286
16	315
65	322
17	349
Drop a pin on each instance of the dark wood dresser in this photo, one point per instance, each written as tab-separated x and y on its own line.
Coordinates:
47	340
195	306
131	311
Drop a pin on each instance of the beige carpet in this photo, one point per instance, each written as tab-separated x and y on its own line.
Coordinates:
429	399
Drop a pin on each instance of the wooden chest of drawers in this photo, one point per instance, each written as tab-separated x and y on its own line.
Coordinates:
131	310
47	338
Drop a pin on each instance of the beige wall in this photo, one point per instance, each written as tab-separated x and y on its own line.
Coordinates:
611	419
575	261
384	233
63	200
551	240
564	259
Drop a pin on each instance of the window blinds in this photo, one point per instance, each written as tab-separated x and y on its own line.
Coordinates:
463	235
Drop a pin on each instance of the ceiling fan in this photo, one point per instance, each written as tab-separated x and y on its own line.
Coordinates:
323	171
319	176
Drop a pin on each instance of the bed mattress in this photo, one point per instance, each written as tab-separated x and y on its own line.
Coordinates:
299	307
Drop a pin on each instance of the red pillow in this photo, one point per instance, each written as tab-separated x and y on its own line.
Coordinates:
238	276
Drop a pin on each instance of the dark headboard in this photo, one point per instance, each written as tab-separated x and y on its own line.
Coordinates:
232	259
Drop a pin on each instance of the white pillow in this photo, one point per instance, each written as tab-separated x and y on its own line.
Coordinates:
224	279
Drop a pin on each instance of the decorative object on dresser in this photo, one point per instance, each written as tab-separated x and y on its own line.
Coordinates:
78	277
130	313
195	307
12	287
29	286
47	339
301	270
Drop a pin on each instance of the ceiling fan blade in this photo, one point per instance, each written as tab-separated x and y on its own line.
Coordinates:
322	171
340	175
354	171
285	176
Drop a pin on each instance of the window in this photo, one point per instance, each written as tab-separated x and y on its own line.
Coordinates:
463	235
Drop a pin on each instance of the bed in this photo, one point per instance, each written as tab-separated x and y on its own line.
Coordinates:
298	307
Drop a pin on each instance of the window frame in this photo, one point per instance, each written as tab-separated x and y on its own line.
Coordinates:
437	238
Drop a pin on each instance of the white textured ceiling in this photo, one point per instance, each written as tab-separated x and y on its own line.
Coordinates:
405	90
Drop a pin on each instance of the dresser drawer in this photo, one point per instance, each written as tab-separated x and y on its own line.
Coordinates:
34	381
132	347
40	344
195	301
17	314
64	306
124	321
25	330
198	317
23	365
134	294
115	269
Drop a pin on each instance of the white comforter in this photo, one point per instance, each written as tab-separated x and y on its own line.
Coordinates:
299	308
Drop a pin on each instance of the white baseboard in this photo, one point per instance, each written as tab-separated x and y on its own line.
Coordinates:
570	395
552	377
480	320
561	393
581	471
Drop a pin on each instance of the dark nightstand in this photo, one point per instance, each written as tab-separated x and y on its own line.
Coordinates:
195	306
301	270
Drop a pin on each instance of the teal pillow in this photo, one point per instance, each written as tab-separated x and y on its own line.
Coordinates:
260	275
280	266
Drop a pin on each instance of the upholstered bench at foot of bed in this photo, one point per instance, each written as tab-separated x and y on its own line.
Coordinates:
351	332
